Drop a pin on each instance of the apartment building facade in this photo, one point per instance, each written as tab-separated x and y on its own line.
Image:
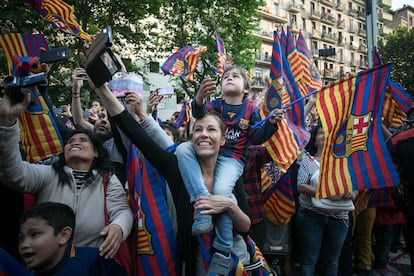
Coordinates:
338	24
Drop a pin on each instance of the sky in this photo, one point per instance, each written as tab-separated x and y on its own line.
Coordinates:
396	4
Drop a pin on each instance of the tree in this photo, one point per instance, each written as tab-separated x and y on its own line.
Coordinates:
130	34
399	49
193	22
143	29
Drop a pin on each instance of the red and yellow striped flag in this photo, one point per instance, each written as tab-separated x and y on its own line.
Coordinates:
39	134
60	15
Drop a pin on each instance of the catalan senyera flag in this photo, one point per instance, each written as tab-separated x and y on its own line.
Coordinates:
279	203
354	156
221	55
39	133
183	62
184	116
157	247
60	15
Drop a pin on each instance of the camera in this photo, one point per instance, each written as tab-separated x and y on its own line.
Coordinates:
101	63
17	87
54	55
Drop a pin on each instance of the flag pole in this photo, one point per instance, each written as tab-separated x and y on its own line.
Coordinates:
259	123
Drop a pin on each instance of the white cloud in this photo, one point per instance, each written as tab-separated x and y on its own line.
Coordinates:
396	4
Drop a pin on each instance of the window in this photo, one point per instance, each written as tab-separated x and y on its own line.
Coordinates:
303	23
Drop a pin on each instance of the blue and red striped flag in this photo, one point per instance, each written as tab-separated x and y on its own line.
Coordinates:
221	55
306	61
184	116
157	247
354	156
397	101
183	62
39	133
60	15
279	202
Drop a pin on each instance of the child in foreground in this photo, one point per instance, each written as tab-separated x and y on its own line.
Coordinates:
46	233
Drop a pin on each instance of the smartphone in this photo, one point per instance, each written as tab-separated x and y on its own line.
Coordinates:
165	91
54	55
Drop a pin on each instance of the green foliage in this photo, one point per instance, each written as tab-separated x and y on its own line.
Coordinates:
193	22
399	49
136	36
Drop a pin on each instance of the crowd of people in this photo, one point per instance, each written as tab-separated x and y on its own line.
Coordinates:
83	211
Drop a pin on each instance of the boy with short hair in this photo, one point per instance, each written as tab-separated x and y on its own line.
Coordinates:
46	233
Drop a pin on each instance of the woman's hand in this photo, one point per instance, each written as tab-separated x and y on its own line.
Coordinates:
213	204
78	76
207	87
113	239
134	102
10	110
153	100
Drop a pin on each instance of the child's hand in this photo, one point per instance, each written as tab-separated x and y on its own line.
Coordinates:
207	87
277	116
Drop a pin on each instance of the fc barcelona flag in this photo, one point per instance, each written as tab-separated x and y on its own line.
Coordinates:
60	15
184	116
39	133
183	62
279	203
221	55
354	156
157	247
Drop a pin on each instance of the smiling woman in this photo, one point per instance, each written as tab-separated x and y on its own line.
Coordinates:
76	180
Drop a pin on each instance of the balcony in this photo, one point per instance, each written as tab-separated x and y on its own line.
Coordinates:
329	37
295	8
384	3
330	74
385	17
294	27
353	45
315	52
340	7
340	24
363	64
352	63
352	29
361	15
328	18
278	18
362	32
329	3
264	58
315	34
341	41
258	82
314	14
362	48
341	60
384	31
352	13
265	36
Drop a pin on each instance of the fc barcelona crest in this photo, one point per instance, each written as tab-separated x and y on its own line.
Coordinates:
244	123
352	135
